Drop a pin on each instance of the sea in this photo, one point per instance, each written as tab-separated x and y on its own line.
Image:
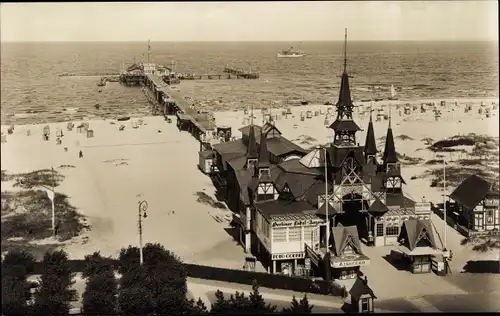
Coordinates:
33	90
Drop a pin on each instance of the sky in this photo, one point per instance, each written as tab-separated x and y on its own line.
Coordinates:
251	21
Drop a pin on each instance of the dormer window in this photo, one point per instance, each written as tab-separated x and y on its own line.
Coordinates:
264	172
251	163
391	165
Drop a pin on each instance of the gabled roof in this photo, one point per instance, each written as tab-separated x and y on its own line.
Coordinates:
394	172
378	207
370	141
416	230
294	166
331	210
398	199
345	125
245	130
390	155
471	191
282	207
314	159
337	155
244	177
360	288
342	236
279	146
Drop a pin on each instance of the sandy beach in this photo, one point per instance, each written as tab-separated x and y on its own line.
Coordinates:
158	162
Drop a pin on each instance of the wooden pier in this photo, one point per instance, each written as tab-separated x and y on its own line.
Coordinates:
167	101
240	73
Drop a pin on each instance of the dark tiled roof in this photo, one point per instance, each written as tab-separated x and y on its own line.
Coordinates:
398	199
331	210
312	193
337	155
341	235
370	141
282	207
345	125
377	182
294	166
245	130
244	177
378	207
390	155
360	288
237	163
471	191
279	146
235	146
413	228
207	154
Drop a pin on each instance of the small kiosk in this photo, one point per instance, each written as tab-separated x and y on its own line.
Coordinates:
418	245
347	257
362	296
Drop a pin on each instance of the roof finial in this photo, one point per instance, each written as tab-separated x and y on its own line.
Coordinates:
251	114
149	50
345	51
390	116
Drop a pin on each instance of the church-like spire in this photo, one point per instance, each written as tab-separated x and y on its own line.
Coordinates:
344	104
264	161
390	149
252	144
370	142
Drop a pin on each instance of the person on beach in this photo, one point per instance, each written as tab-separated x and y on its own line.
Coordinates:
56	228
80	154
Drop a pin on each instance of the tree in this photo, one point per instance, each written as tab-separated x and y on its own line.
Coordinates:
55	293
158	286
238	303
299	307
100	296
197	307
15	288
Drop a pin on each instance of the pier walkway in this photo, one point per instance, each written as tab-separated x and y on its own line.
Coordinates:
168	101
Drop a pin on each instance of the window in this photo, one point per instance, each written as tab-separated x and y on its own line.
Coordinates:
348	250
294	233
380	230
365	305
308	235
279	234
392	231
489	216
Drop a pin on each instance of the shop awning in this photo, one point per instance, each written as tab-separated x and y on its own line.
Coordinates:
420	251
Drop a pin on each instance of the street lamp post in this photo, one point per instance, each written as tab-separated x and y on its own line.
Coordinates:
143	207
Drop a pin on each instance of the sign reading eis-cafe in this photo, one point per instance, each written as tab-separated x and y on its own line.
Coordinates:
288	255
305	222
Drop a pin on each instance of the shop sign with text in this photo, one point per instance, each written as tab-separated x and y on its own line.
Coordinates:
348	264
306	222
287	256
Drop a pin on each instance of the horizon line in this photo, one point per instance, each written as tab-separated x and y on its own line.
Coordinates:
248	41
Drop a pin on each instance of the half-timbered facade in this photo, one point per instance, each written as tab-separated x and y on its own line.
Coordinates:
476	205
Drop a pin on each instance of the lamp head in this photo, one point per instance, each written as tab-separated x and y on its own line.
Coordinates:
145	215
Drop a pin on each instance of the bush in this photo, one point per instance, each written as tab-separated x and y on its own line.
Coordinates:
100	296
299	307
158	286
55	293
238	303
15	288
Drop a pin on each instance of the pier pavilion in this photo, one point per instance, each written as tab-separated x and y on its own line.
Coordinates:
286	201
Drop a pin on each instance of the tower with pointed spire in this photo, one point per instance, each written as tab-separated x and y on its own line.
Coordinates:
393	180
370	142
344	126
